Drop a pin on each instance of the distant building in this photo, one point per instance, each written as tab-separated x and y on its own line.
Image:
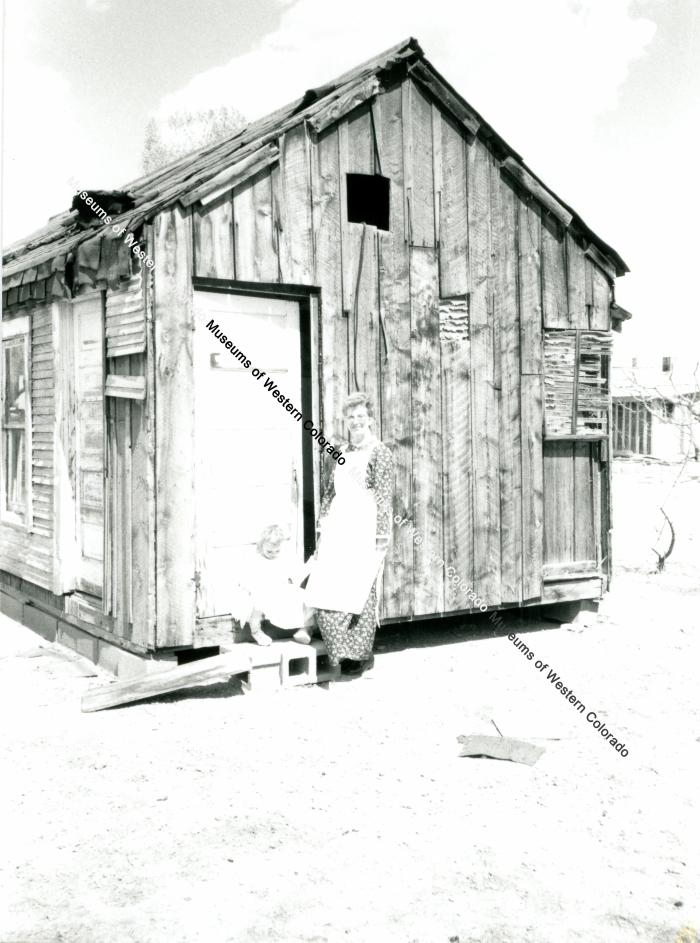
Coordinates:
656	408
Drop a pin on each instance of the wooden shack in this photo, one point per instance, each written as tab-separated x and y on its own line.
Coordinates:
375	234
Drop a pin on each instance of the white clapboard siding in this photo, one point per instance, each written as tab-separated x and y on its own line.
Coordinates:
43	410
125	319
28	551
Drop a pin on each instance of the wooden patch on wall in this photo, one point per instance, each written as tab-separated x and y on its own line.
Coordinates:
577	393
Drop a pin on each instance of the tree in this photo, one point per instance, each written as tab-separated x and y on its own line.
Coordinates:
167	139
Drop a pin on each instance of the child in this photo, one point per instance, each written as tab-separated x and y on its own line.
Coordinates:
272	592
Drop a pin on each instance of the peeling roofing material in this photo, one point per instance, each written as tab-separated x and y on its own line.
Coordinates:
217	167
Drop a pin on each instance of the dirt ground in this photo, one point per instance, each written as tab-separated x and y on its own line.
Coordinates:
347	814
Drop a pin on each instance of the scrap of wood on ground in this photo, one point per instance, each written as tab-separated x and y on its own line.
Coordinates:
216	668
500	748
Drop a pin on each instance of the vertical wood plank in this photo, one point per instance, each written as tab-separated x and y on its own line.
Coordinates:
213	239
266	264
149	637
65	537
359	259
328	275
588	273
420	157
484	396
505	207
453	244
529	240
427	425
584	529
394	300
555	300
600	313
576	284
244	229
559	502
531	411
140	478
458	520
175	521
296	258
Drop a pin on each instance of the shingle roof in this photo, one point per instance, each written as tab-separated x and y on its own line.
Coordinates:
201	169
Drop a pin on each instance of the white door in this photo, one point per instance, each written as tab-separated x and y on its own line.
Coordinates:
248	446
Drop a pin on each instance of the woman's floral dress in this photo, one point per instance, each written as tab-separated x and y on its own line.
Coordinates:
351	634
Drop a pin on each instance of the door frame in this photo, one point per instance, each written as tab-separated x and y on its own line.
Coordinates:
309	300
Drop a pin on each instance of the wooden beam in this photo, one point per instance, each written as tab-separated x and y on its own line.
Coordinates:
217	668
572	589
232	176
575	570
343	105
445	96
533	186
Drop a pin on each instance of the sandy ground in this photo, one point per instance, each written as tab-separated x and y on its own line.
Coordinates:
347	815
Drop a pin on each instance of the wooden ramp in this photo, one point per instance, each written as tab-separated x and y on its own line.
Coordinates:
217	668
279	665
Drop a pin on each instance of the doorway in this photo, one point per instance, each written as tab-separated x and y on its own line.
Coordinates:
253	460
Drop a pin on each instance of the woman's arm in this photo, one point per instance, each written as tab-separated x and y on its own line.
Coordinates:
382	483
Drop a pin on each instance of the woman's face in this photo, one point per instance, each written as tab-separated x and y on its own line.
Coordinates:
357	419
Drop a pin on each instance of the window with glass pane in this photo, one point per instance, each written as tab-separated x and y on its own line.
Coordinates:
14	432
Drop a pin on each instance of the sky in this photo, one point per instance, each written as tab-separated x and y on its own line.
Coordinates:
600	97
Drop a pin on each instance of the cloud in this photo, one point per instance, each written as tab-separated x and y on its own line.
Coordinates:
35	172
99	6
551	64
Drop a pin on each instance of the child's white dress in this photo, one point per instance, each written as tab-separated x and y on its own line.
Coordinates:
264	585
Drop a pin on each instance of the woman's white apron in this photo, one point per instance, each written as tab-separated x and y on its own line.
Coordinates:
347	561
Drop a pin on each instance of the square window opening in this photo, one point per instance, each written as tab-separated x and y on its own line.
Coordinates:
368	200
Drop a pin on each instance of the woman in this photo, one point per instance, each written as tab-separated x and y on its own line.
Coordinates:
354	528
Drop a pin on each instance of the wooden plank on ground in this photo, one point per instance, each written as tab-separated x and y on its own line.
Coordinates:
484	395
500	748
555	300
427	426
531	419
217	668
394	301
174	334
505	206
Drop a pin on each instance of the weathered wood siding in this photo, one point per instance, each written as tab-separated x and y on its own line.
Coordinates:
29	552
441	319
